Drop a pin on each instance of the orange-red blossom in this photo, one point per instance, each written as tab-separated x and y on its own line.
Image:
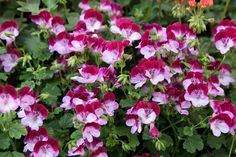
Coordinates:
202	3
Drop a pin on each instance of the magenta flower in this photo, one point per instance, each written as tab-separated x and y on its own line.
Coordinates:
214	86
109	103
89	74
8	99
134	122
197	94
79	149
153	131
43	19
9	31
57	24
100	152
93	19
47	148
84	5
91	131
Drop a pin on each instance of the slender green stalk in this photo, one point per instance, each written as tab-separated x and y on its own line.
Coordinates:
225	8
231	147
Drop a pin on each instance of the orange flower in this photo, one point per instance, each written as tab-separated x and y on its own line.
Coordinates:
192	3
206	3
181	1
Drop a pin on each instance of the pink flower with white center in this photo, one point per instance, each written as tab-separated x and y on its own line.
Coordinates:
116	10
154	69
134	122
107	74
9	31
224	106
221	123
90	112
225	77
79	149
173	91
89	74
61	44
105	5
33	137
160	97
100	152
138	76
113	51
90	131
147	111
109	103
47	148
179	36
96	44
92	146
225	39
27	97
8	99
58	25
197	94
183	107
43	19
176	66
148	48
214	86
79	43
67	101
93	19
34	117
84	5
193	78
80	28
195	65
127	29
10	59
154	32
225	24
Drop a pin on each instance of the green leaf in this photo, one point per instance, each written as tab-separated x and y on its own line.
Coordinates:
11	154
125	103
3	76
2	50
124	2
66	120
188	131
76	134
72	19
4	141
51	4
17	130
50	93
163	142
37	48
29	6
215	142
193	143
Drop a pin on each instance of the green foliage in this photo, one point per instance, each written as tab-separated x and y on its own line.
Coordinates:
16	130
193	143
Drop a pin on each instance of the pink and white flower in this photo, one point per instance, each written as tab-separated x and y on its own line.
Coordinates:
34	117
100	152
223	25
225	39
61	44
91	131
138	76
197	94
93	19
193	78
33	137
160	97
79	43
47	148
221	123
9	30
97	45
27	97
134	122
153	131
84	5
225	77
80	28
79	149
214	86
10	59
89	74
107	74
183	107
57	24
113	51
93	146
127	28
43	19
8	99
105	5
109	103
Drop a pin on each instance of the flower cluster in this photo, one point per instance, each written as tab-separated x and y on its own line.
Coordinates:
90	112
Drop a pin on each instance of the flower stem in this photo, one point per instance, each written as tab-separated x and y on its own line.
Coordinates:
225	8
231	147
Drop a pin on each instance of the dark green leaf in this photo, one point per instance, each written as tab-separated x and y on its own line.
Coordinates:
17	130
4	141
66	120
125	103
193	143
